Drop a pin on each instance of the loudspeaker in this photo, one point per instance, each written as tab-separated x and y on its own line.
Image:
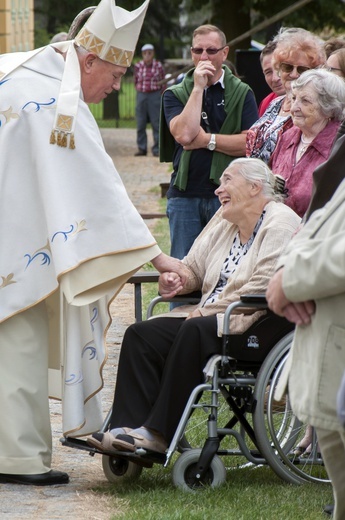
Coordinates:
249	69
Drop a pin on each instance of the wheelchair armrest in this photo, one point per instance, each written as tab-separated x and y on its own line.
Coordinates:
186	299
253	298
256	301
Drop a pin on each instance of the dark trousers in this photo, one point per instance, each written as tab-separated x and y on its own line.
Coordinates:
147	111
161	362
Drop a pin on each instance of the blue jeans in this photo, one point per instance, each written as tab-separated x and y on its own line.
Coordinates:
187	218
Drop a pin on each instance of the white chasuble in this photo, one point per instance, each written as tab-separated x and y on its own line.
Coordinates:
69	233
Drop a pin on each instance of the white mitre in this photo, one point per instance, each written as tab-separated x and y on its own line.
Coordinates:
112	32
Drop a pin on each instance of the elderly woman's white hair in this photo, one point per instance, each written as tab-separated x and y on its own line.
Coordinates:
329	88
256	170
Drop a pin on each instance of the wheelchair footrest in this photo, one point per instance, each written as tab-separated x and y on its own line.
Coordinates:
142	457
79	444
154	456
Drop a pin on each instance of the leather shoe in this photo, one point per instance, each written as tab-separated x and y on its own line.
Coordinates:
50	478
140	153
329	509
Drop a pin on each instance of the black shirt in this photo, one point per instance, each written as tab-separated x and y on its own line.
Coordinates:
199	184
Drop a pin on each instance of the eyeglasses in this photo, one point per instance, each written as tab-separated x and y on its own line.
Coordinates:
210	51
331	69
288	68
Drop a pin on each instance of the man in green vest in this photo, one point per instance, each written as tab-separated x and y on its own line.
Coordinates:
203	127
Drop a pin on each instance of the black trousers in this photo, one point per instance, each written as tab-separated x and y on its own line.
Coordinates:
161	362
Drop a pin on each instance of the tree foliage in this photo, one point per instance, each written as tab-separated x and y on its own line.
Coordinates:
169	23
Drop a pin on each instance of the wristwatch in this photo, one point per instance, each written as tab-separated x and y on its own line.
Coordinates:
212	144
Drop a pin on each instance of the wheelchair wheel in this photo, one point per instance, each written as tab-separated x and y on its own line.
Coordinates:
308	466
184	472
116	469
277	429
196	428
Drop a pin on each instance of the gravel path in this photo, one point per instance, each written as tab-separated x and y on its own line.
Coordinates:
77	500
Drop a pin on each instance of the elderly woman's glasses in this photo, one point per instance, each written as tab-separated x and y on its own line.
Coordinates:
210	51
288	68
332	69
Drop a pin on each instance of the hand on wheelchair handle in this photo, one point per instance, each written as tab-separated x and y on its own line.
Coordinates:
275	296
299	313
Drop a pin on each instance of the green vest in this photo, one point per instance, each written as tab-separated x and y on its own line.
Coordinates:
235	94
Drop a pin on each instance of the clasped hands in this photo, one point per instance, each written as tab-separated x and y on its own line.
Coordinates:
299	313
170	284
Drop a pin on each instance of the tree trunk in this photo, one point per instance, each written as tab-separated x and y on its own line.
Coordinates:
231	17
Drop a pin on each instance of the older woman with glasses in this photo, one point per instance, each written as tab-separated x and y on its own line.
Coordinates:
297	51
317	109
336	62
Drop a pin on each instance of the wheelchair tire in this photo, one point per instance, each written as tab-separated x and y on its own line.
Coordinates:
309	467
116	469
184	477
277	429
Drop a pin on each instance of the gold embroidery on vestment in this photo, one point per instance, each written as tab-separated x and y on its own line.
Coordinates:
7	280
94	44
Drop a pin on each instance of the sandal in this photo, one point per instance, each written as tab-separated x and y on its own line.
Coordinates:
103	441
140	438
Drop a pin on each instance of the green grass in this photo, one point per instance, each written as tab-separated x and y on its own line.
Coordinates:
162	235
249	494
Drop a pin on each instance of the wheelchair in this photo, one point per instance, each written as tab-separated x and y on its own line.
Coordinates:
232	414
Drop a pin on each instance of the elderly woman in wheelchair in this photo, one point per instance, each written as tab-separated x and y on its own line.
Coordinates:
162	359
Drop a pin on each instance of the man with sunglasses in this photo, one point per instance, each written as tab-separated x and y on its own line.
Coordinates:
203	127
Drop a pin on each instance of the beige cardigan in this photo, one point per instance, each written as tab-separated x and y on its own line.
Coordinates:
206	257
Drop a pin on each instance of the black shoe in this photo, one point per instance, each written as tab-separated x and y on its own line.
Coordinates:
50	478
140	153
155	154
329	509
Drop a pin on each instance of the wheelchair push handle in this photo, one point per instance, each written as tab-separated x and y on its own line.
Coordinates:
254	298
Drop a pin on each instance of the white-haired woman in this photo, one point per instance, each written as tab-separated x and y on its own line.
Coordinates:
317	109
162	359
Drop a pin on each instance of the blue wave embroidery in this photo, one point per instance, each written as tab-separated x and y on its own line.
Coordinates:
63	233
44	256
74	379
39	105
94	317
73	230
91	350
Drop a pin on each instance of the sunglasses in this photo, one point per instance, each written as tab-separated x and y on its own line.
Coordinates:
210	51
288	68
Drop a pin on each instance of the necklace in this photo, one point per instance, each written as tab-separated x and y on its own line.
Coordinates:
302	147
286	103
304	141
